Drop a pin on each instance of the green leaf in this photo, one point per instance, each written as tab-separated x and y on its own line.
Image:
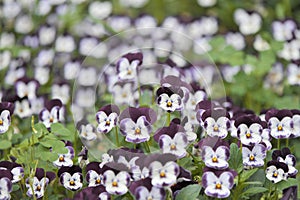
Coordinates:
5	144
190	192
254	190
236	160
286	184
62	132
246	174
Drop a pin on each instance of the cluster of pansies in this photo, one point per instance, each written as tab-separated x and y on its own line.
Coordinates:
99	101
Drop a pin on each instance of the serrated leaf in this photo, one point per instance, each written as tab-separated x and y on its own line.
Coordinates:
5	144
254	190
190	192
286	184
236	160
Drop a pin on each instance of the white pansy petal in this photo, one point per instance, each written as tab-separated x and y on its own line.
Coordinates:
180	139
207	153
209	178
211	190
123	177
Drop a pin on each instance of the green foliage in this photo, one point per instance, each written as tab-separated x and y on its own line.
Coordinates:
236	160
190	192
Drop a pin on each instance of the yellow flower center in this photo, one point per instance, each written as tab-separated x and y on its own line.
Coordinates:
61	158
51	120
98	181
115	184
275	174
162	174
248	135
129	72
1	122
215	159
251	158
218	186
173	147
279	128
169	104
137	131
38	188
72	183
216	128
107	122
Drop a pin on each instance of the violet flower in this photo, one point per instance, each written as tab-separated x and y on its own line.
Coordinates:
107	118
276	171
65	159
135	124
175	145
71	177
6	110
15	169
169	99
254	156
37	185
52	113
284	155
116	183
128	64
5	184
280	123
26	87
217	185
163	175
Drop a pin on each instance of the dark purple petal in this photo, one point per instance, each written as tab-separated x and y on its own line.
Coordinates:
52	103
7	106
71	170
108	109
278	165
169	130
6	173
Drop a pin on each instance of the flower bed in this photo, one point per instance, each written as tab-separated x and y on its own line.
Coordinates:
149	100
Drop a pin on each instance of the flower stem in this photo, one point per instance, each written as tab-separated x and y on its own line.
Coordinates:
147	147
168	118
278	144
117	137
287	142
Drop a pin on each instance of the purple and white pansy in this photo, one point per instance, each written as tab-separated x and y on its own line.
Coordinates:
217	157
116	183
128	64
135	124
276	171
107	118
284	155
37	185
217	185
249	129
94	175
216	122
16	170
164	175
170	98
65	159
175	145
26	87
253	156
280	123
71	177
6	110
5	184
52	113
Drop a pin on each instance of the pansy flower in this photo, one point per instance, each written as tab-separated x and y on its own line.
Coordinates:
83	159
280	123
169	99
283	30
15	169
61	91
175	145
217	184
249	129
71	177
94	175
37	185
276	171
106	158
127	65
5	184
6	110
216	122
65	159
23	108
26	87
216	157
65	43
107	118
123	93
293	74
248	22
98	192
46	34
163	175
295	123
52	113
86	131
254	156
143	190
284	155
135	124
116	183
